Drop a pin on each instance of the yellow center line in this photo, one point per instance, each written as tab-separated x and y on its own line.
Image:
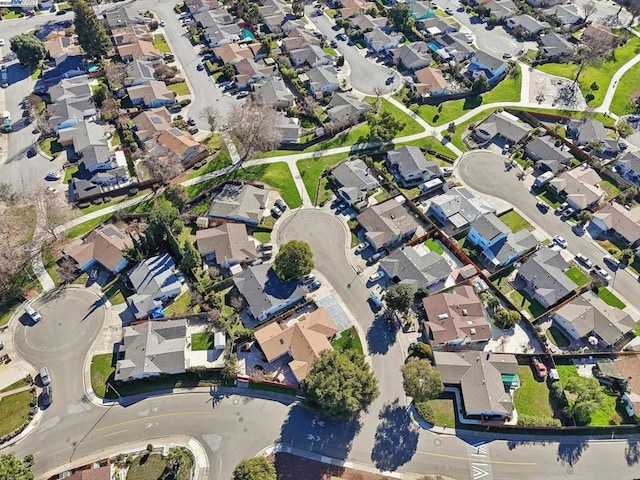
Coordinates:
466	459
147	419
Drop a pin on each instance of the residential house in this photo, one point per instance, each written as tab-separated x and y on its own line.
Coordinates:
483	63
232	53
454	47
99	473
527	26
593	133
596	34
75	87
389	224
554	46
378	41
589	316
226	245
250	71
366	23
458	208
155	281
436	25
299	38
97	158
275	15
135	42
83	190
83	135
321	80
412	56
542	277
195	6
150	123
118	18
483	380
104	246
628	165
501	125
114	177
346	107
501	9
547	156
69	111
241	203
139	72
218	27
151	94
455	318
152	348
274	92
182	145
309	56
544	3
289	128
302	342
616	220
579	186
430	82
354	182
567	14
59	46
265	293
487	230
410	167
352	7
421	12
408	267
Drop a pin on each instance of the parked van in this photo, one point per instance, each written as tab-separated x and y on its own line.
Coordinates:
45	378
174	108
35	316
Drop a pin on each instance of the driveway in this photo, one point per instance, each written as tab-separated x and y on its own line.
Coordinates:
365	75
484	172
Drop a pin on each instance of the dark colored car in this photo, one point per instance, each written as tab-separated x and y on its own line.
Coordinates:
374	258
61	12
280	204
46	396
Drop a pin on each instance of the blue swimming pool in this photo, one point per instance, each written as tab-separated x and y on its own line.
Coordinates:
433	46
246	33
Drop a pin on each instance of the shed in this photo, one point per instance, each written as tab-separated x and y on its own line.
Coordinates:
219	341
202	222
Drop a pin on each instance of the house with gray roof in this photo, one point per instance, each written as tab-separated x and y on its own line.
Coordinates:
140	71
555	46
218	27
226	245
321	80
410	167
542	277
628	165
389	224
414	56
547	156
580	187
458	208
487	230
288	127
83	135
408	267
527	26
152	348
265	293
274	92
505	252
483	380
501	9
421	11
366	23
588	130
309	56
567	14
436	25
490	66
378	41
354	181
69	110
589	316
240	203
155	281
345	106
500	125
454	47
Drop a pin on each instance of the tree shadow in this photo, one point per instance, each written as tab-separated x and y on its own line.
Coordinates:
396	437
570	452
311	431
632	452
379	337
513	444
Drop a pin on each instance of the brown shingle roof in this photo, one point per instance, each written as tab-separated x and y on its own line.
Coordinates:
229	241
102	473
105	245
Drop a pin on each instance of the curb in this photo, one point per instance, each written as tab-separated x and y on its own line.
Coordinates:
40	152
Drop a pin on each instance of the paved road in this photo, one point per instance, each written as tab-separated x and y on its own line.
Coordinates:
484	171
365	75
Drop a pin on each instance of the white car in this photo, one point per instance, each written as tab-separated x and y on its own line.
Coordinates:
361	247
1	42
613	261
376	276
162	23
583	260
560	241
54	175
447	171
601	272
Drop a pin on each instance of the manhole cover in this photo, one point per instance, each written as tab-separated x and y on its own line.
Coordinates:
240	419
437	442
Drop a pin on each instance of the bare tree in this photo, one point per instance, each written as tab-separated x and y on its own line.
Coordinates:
15	249
378	91
164	72
253	124
42	123
52	210
109	110
162	164
67	270
115	73
589	9
591	53
210	115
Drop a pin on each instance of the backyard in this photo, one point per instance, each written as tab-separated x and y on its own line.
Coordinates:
311	170
433	246
532	398
529	307
202	341
155	466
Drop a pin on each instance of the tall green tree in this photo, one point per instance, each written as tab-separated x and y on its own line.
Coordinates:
588	398
293	260
421	380
340	384
257	468
91	34
28	48
400	297
383	127
190	257
12	468
400	17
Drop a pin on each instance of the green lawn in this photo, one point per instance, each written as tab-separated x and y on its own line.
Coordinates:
15	385
352	136
312	169
430	143
6	311
51	266
348	340
610	299
330	51
262	237
444	412
12	14
266	387
50	146
115	139
600	74
637	327
556	337
150	467
180	88
532	398
160	43
220	161
577	275
507	91
116	290
202	341
462	129
515	222
433	245
70	173
14	410
85	227
627	87
101	370
550	197
180	305
411	127
611	189
277	175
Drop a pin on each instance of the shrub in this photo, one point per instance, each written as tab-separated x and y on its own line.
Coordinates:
185	102
535	421
425	411
421	350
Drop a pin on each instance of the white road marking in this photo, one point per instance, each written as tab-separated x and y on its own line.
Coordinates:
114	433
478	472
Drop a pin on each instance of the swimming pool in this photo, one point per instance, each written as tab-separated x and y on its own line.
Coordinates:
246	33
433	46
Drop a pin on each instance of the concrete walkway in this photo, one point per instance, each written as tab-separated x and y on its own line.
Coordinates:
611	90
26	388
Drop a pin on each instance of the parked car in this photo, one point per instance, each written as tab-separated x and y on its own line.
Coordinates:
376	276
53	175
1	42
191	121
174	108
276	212
163	23
243	94
542	206
447	171
561	208
226	84
310	277
361	247
280	204
507	56
45	377
560	241
314	285
193	130
612	261
448	11
61	12
580	258
568	212
541	369
265	246
200	67
374	258
602	273
35	316
46	396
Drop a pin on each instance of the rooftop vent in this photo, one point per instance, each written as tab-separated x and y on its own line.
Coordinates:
465	312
